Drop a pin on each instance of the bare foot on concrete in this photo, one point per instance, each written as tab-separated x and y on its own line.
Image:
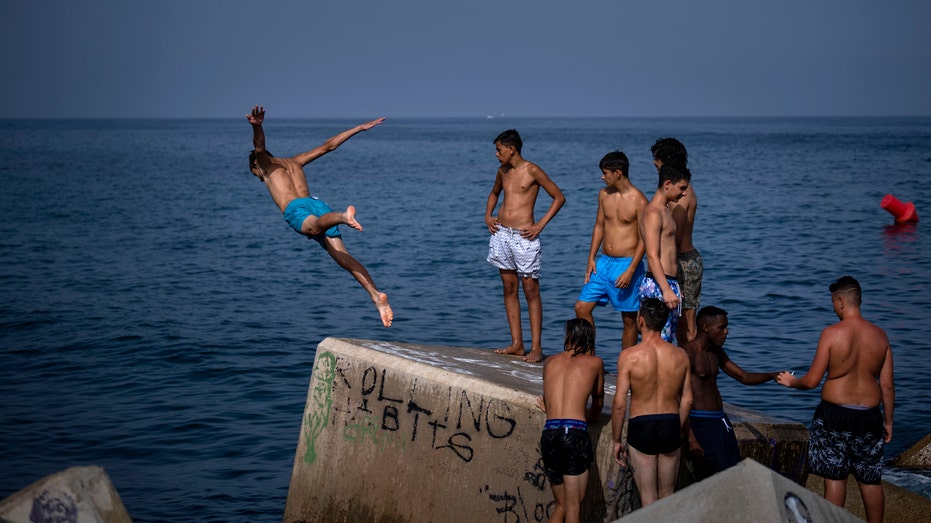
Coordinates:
535	356
350	216
513	350
384	309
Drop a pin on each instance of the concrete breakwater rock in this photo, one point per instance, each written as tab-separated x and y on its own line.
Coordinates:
414	433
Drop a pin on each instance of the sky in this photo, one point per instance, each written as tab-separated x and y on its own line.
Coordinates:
436	58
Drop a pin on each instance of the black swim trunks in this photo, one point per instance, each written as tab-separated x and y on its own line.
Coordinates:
716	436
655	433
845	440
566	448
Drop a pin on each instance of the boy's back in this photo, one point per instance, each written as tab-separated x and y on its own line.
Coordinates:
568	381
656	371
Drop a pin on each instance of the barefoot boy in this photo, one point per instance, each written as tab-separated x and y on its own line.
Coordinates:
514	247
569	379
616	276
309	215
657	375
849	429
712	441
658	230
691	267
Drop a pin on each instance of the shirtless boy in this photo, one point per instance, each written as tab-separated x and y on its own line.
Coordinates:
569	379
514	247
848	430
658	230
657	375
616	276
691	267
309	215
712	442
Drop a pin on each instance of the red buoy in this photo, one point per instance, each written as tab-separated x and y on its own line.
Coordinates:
903	212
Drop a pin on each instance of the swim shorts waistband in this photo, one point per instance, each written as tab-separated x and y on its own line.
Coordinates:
711	414
668	277
656	417
849	407
565	424
618	258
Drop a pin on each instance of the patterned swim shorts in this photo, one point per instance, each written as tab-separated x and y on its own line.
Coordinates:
509	250
650	289
691	269
845	440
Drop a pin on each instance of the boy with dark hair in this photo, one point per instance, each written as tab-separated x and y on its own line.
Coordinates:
691	267
308	215
712	442
514	246
656	373
658	230
849	429
569	379
616	275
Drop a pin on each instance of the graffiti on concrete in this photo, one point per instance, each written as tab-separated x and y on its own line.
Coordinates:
320	402
53	507
394	413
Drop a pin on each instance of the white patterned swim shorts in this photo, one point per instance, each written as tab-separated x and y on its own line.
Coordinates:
510	251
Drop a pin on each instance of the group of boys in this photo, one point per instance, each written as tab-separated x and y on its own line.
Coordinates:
673	392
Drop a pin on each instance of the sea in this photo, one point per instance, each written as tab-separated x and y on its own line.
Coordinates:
159	319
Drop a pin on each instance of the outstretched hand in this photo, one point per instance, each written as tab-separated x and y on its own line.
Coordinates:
257	116
368	125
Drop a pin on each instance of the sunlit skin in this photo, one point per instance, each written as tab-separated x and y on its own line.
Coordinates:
616	233
286	181
856	356
520	182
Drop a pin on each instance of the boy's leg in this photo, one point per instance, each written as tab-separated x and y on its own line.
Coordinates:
629	337
575	487
688	327
644	466
535	311
667	470
337	250
835	491
314	225
559	510
585	309
874	501
510	286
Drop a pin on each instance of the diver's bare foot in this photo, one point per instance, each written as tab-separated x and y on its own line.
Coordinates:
350	216
535	356
381	303
513	350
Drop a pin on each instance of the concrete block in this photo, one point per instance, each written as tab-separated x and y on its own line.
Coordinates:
746	492
413	433
75	495
918	456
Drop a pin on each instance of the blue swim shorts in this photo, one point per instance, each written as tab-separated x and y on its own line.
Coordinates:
601	288
300	208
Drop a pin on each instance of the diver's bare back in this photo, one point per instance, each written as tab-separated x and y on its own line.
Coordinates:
286	182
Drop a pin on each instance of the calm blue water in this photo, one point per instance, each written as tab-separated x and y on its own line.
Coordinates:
159	318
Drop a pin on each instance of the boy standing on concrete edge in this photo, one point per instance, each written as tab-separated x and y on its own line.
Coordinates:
849	430
308	215
657	374
616	276
658	230
514	247
569	378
